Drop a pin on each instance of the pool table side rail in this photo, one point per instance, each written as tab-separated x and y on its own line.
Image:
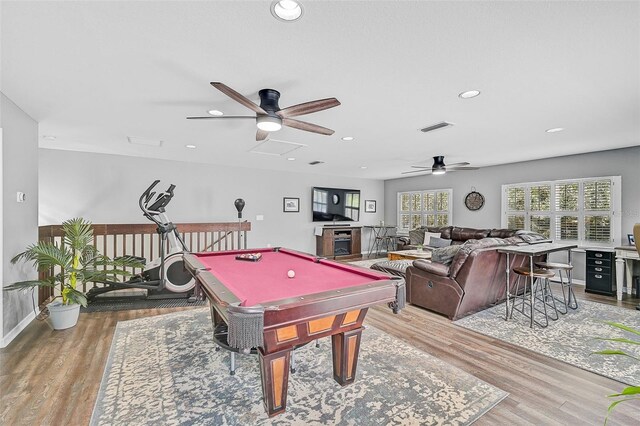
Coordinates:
290	310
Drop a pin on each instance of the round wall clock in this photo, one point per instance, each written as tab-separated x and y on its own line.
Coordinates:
474	200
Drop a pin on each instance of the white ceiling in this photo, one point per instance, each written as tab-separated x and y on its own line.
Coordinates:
93	73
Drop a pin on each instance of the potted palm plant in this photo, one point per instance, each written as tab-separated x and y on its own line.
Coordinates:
630	393
73	263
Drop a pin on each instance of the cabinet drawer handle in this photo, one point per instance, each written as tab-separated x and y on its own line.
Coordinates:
598	254
598	269
598	276
598	262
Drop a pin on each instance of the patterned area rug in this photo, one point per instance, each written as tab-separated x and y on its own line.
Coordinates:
165	370
571	339
367	262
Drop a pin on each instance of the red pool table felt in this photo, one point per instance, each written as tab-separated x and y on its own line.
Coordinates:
266	280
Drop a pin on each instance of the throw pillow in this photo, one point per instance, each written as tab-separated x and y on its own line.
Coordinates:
532	237
445	255
439	242
428	235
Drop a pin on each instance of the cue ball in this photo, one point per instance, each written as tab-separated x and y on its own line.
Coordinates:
291	273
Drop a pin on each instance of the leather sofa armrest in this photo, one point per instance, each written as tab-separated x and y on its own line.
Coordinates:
432	267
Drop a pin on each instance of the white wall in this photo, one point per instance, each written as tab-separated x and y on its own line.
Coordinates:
105	189
19	220
489	180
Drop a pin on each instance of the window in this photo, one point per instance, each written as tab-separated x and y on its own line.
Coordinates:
352	205
424	208
581	210
320	200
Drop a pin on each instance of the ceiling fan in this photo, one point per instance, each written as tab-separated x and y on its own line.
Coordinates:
439	168
269	117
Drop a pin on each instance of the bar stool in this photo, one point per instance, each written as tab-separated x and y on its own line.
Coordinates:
540	278
567	268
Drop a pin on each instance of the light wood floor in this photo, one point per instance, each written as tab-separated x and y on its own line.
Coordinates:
52	378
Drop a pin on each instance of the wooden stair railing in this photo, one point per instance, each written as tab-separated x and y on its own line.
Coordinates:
143	240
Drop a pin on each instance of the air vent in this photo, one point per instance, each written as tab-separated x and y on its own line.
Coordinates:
437	126
275	147
314	163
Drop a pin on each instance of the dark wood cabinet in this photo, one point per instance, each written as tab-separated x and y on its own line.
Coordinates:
601	272
340	242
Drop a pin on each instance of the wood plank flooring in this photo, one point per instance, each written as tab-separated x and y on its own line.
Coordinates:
55	381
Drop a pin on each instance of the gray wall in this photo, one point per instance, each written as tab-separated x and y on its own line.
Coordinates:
489	180
19	220
105	189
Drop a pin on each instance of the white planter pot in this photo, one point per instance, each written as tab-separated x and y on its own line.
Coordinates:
63	316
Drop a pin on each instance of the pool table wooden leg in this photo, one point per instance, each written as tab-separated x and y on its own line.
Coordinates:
274	371
346	347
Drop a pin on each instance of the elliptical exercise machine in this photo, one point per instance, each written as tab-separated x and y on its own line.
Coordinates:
165	277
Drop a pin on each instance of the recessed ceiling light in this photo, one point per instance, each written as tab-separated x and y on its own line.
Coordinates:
215	112
190	146
291	158
49	138
286	10
363	167
348	138
554	130
469	94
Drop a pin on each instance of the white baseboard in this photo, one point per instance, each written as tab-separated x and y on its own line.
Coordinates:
17	329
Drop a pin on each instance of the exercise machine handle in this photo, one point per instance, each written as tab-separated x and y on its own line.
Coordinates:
146	196
159	203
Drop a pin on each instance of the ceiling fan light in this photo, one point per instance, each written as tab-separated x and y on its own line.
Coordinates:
268	123
438	171
286	10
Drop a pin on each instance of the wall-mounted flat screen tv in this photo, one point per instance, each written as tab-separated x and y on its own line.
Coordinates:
335	205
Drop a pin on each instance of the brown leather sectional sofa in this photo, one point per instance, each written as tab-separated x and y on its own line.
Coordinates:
457	235
475	279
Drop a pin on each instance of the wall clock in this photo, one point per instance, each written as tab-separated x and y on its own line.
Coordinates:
474	200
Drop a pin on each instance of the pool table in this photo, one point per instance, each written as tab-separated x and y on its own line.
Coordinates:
266	310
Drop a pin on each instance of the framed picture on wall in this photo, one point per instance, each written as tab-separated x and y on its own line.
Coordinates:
632	241
369	206
290	205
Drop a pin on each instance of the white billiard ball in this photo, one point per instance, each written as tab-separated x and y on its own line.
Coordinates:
291	273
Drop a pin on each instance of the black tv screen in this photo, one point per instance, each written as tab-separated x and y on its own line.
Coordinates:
335	204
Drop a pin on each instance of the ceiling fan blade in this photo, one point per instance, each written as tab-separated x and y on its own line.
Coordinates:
261	135
303	125
421	167
416	171
308	107
238	97
464	163
221	117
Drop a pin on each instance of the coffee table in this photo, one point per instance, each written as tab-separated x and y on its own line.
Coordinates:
409	254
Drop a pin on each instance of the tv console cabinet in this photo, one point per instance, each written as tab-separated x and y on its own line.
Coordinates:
340	242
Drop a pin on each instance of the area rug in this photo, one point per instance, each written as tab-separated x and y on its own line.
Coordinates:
165	370
367	262
572	338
